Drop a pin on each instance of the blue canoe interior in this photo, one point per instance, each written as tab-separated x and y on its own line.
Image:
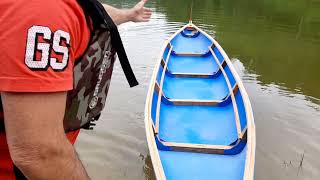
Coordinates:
201	123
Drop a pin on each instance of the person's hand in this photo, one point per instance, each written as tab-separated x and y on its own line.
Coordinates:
139	13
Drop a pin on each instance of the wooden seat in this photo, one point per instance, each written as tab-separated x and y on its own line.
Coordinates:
232	149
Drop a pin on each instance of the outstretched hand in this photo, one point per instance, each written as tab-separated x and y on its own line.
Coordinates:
139	13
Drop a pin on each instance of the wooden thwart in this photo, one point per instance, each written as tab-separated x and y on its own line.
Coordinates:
182	75
192	102
190	54
200	148
203	148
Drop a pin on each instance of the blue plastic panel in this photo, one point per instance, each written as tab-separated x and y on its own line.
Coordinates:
194	166
198	44
195	88
182	64
198	124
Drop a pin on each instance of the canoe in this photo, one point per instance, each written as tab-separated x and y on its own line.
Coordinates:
198	117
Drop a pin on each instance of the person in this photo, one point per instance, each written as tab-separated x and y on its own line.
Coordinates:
39	44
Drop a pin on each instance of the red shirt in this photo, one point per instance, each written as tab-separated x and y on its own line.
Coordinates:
39	43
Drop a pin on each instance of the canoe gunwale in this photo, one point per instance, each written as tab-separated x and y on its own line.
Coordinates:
190	54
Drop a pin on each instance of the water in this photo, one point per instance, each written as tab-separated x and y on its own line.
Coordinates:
274	46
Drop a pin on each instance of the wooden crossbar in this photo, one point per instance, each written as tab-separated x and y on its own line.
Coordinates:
181	75
200	148
190	54
193	102
203	148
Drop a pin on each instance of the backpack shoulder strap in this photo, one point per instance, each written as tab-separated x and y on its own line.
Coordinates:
94	9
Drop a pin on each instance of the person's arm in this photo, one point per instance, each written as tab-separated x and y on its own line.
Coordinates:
138	13
36	138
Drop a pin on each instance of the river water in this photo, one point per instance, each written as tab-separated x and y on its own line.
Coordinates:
275	47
